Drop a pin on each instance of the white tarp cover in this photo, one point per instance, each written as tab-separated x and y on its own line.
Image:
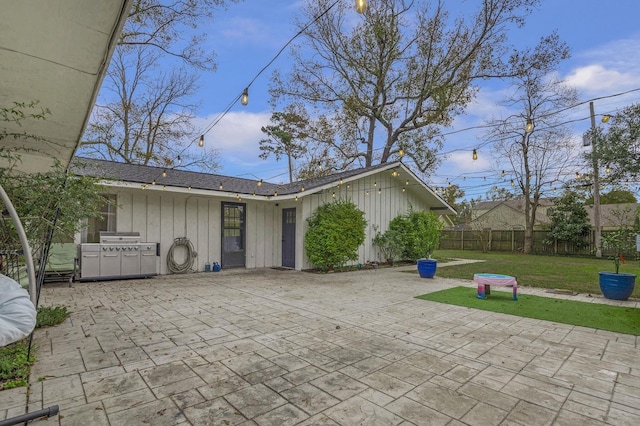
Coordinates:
17	313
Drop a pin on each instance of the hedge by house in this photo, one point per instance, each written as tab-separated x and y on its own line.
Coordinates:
336	230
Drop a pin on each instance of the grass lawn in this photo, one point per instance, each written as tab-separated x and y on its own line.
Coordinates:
571	273
595	315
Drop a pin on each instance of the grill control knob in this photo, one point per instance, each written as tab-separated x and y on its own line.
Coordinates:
136	248
104	248
110	248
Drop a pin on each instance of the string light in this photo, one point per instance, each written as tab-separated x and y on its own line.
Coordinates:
401	152
513	183
367	193
302	189
333	194
179	160
296	198
529	126
164	173
502	175
244	99
260	182
474	155
605	118
201	141
403	189
608	169
361	6
220	187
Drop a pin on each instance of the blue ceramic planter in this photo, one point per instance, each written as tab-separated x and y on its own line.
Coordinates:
617	286
427	267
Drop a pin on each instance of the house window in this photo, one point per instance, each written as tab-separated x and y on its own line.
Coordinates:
91	233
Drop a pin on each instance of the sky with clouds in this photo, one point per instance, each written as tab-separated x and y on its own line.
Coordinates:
605	48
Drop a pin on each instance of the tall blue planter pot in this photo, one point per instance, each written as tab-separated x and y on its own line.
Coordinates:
427	267
617	286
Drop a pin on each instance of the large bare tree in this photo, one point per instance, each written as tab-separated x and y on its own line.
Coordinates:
534	141
388	81
148	121
145	110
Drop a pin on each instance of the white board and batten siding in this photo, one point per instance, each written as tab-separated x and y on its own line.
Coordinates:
162	217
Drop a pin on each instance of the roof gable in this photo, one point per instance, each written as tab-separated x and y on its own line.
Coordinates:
151	175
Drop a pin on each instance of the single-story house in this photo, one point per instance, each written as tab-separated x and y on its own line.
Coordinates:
248	223
507	215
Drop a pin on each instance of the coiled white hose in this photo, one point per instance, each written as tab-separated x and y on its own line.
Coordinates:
187	265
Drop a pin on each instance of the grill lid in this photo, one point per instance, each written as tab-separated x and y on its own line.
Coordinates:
109	237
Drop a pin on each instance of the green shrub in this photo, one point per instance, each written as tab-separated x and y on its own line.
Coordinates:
389	244
336	230
418	233
51	315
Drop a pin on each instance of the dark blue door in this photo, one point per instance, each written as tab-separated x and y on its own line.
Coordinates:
289	238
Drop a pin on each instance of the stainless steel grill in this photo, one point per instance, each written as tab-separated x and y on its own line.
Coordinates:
118	255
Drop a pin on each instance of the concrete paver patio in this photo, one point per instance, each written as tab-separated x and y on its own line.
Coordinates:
268	347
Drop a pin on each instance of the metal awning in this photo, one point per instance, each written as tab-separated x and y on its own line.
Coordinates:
56	53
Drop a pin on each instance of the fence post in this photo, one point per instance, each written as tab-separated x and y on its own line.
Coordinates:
462	240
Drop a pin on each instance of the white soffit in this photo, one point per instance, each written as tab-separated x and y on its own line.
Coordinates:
55	52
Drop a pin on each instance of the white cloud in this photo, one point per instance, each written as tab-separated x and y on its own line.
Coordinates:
237	137
608	68
597	78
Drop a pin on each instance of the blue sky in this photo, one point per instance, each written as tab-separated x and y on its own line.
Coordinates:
604	41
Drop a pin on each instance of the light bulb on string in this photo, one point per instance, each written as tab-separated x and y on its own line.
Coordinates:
244	99
502	174
605	118
179	160
164	173
401	152
608	169
474	155
361	6
201	141
260	182
529	126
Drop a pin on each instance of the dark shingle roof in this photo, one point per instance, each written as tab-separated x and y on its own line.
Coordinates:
135	173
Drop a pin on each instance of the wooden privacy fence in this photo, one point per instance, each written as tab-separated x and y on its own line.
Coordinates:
513	241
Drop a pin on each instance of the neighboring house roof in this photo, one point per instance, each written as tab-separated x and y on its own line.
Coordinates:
517	204
486	209
609	217
144	175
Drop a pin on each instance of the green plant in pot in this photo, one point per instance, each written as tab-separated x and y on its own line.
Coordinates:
420	233
618	285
